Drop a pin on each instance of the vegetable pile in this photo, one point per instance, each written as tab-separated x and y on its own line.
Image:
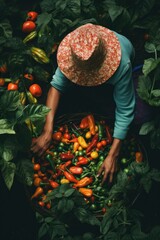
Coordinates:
74	158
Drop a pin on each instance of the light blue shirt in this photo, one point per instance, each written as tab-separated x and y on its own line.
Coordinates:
124	95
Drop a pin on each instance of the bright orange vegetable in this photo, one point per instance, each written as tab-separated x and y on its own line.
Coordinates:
84	182
87	192
37	193
91	123
82	142
139	157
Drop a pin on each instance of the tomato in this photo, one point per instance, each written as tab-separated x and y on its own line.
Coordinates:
2	82
99	145
35	90
12	87
29	76
67	136
32	16
57	136
28	26
36	167
104	142
94	154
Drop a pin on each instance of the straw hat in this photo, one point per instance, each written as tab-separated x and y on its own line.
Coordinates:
89	55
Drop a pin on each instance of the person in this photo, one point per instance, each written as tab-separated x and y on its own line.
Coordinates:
93	56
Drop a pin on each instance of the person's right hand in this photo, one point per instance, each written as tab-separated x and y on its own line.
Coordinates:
41	144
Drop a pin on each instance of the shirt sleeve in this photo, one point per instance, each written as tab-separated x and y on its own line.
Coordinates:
60	82
124	97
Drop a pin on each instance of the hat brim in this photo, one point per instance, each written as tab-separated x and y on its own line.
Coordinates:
93	77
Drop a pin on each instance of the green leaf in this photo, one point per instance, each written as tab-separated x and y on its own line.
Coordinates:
144	86
35	112
24	171
10	101
6	29
146	128
69	192
115	11
43	229
155	233
65	205
43	19
6	127
156	93
8	172
57	228
9	148
149	65
150	47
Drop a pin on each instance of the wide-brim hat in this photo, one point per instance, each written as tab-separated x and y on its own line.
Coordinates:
89	55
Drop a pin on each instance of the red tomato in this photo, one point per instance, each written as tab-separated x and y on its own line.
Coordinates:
57	136
67	136
3	68
32	16
12	87
99	145
36	90
28	26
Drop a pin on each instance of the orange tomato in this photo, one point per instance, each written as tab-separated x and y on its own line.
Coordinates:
104	142
12	87
94	154
35	90
36	167
67	136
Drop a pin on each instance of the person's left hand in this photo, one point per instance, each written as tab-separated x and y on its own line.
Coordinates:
108	168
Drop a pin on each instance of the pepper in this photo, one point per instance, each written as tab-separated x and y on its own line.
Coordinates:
91	123
70	177
64	180
82	161
84	123
37	193
39	55
93	143
66	156
100	131
82	142
76	170
30	36
87	192
108	134
31	98
75	146
84	182
139	157
53	184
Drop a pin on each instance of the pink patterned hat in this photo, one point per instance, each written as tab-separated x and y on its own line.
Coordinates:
89	55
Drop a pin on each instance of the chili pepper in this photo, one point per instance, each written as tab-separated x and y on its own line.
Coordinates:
70	177
41	203
84	182
66	156
84	123
93	143
65	140
37	193
63	166
91	123
75	139
53	184
64	180
139	157
49	158
87	192
75	146
76	170
22	96
109	136
82	142
100	131
82	161
37	181
30	97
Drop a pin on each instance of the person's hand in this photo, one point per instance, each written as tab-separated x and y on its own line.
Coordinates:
41	144
108	168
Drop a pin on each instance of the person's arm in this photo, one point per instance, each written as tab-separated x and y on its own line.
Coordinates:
125	102
41	144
